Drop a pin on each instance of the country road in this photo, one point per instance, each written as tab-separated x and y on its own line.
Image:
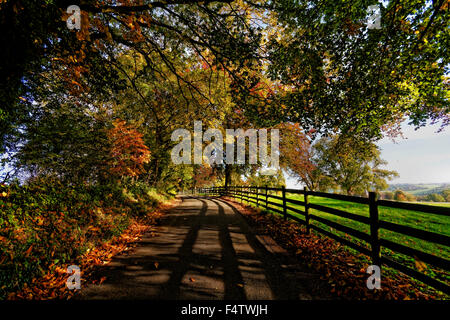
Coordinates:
204	249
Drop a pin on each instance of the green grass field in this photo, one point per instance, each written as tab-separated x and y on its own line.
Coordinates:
439	204
424	221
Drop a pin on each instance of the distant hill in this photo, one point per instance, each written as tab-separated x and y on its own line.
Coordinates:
419	189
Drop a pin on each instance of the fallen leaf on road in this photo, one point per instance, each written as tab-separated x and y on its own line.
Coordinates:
191	279
156	265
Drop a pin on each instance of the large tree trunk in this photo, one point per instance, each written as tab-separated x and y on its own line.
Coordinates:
227	175
350	191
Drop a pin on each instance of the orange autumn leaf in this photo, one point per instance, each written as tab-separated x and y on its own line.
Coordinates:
27	253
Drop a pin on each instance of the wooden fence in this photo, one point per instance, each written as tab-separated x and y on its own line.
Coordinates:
253	195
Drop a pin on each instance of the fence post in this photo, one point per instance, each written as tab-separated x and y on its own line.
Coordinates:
374	226
249	190
257	197
246	196
283	189
266	196
308	229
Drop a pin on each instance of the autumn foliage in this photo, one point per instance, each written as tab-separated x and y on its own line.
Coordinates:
204	175
52	285
296	154
128	150
47	225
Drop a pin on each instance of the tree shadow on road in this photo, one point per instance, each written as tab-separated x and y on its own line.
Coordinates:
214	244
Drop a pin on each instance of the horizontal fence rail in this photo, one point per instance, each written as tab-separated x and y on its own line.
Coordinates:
262	197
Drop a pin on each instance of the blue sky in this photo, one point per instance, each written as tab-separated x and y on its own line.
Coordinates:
422	157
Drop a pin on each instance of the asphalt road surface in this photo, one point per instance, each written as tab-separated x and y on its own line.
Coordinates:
205	250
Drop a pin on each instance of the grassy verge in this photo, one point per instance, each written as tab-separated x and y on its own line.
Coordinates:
47	225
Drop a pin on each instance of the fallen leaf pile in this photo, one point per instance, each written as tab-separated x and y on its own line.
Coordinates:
344	271
53	284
